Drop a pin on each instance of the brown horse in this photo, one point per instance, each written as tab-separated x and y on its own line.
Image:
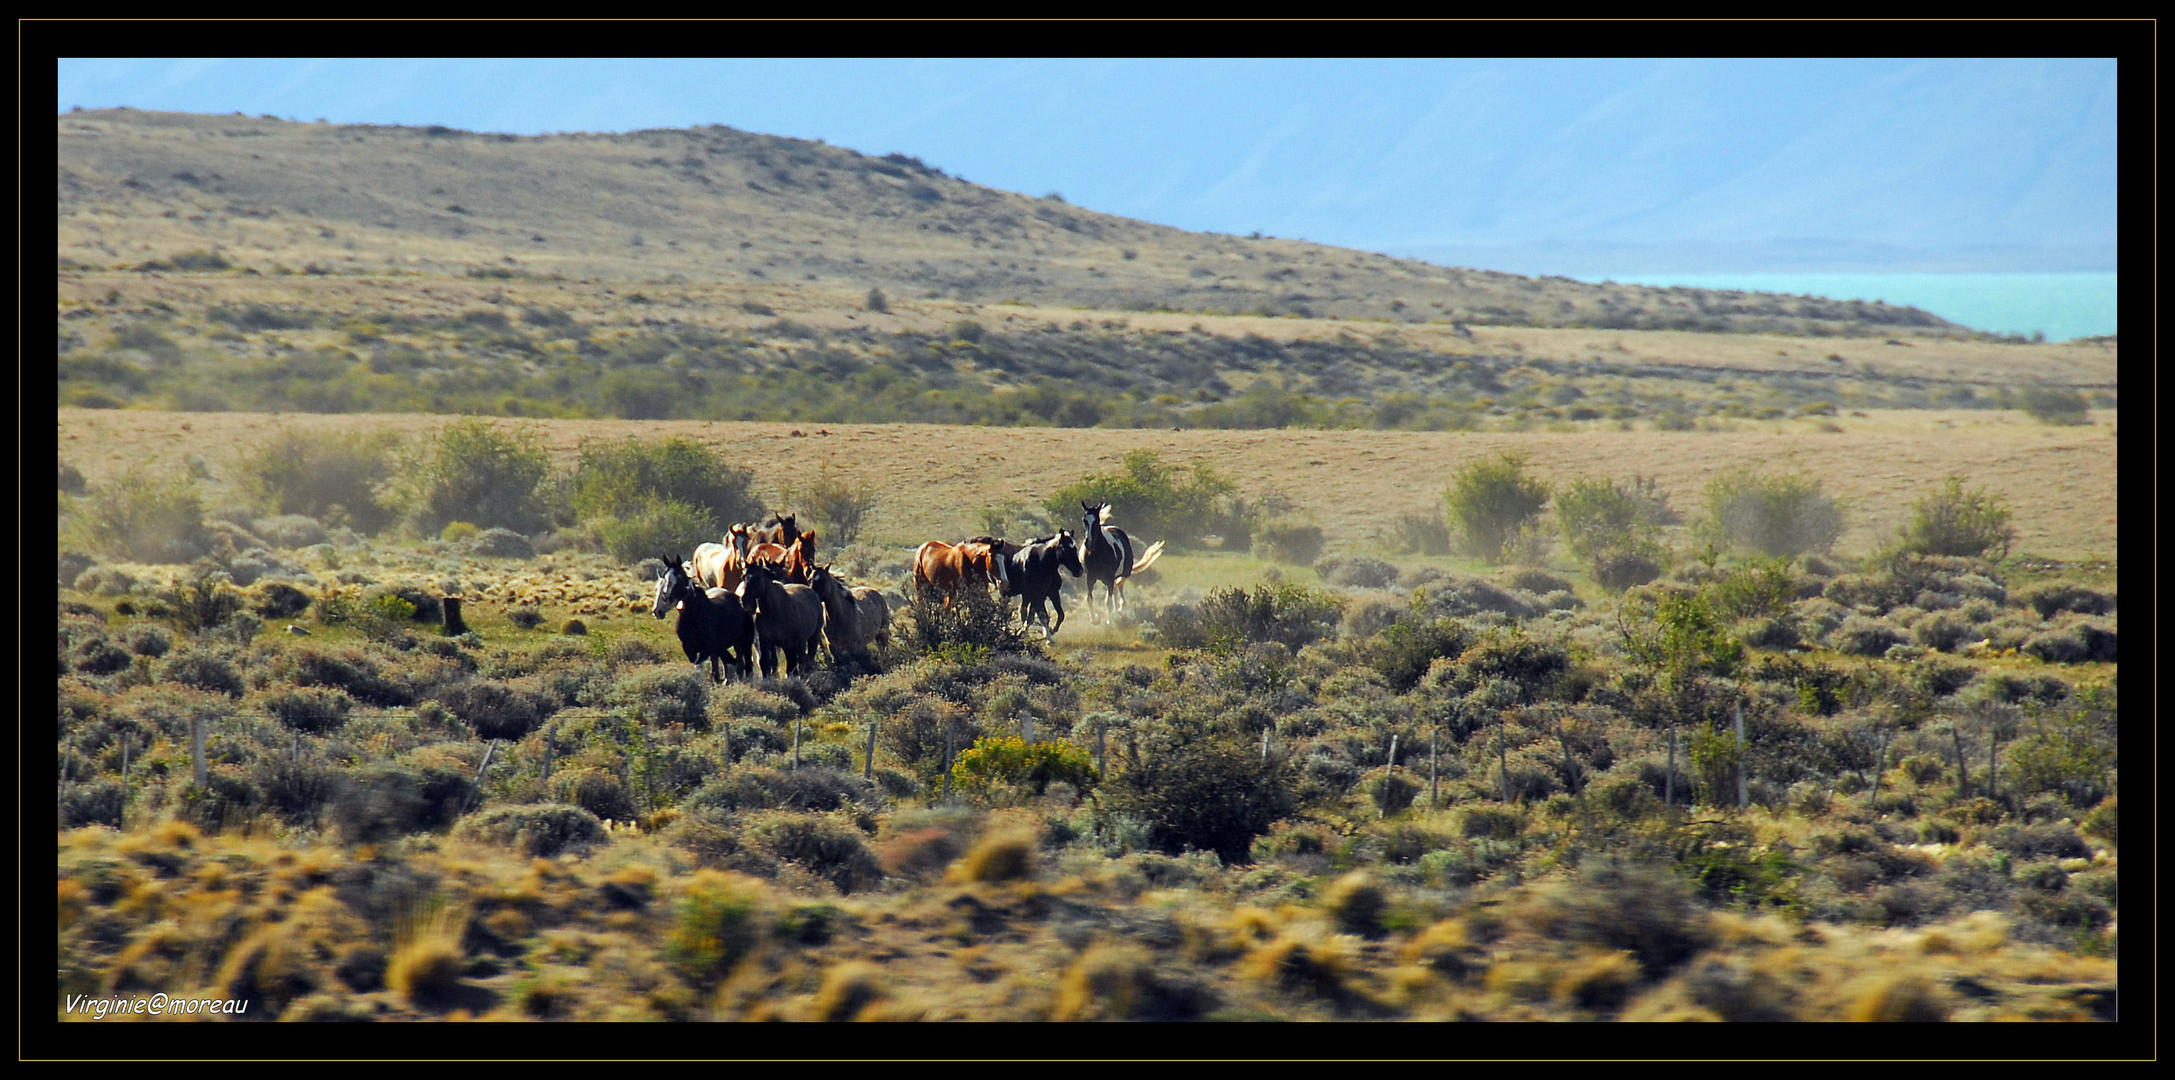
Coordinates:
854	617
800	559
781	530
942	567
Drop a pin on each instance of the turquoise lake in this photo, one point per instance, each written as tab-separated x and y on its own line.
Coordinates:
2061	306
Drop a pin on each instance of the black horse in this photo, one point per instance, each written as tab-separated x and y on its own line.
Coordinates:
1034	573
712	626
788	618
1108	555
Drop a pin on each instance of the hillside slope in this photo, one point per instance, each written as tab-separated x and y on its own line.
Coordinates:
725	206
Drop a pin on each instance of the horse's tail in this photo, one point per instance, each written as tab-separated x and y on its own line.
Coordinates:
1148	558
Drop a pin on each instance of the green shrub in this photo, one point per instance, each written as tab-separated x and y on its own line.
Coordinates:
837	504
830	847
1356	572
337	479
1006	763
1154	500
1231	617
492	709
204	599
653	525
974	625
1782	515
1421	532
1600	516
717	923
310	710
614	479
386	800
1759	587
2054	597
1617	571
1403	652
539	830
1491	503
1953	521
480	472
1286	541
136	517
2055	405
1200	788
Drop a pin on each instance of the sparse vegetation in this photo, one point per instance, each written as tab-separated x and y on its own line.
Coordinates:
1493	505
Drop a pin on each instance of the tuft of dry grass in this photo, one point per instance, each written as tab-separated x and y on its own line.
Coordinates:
1004	856
427	964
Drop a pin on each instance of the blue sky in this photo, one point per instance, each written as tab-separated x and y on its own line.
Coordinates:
1540	166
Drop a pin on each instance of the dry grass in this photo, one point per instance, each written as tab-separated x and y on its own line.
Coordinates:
2060	481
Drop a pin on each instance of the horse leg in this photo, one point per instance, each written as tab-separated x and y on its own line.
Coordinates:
1058	599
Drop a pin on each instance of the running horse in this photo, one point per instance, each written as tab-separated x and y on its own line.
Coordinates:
1033	573
1108	555
942	567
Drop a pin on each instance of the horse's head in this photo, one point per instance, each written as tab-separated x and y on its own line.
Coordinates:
807	544
760	577
827	585
1068	552
669	585
739	540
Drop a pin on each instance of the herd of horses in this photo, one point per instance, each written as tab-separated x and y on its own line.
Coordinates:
761	595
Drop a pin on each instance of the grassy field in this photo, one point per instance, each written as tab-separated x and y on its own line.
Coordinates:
2061	481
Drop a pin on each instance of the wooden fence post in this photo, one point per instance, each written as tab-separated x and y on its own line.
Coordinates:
1502	752
947	760
450	611
196	748
1433	776
1742	799
1669	776
1389	772
1102	767
796	742
868	764
1963	771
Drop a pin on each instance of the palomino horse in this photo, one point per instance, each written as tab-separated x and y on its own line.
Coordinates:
712	627
1033	573
854	618
942	567
1108	555
788	618
719	566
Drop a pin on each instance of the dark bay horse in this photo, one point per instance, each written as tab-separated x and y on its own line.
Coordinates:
1033	570
781	530
788	619
712	626
1108	555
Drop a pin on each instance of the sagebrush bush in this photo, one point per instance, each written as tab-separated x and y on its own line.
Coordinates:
336	479
1422	532
1491	502
1953	521
1599	516
717	921
831	847
1283	540
1356	572
1004	764
2056	405
1782	515
309	710
1154	500
136	517
538	830
836	503
1231	617
479	472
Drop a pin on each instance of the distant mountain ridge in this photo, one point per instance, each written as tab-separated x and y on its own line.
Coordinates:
137	189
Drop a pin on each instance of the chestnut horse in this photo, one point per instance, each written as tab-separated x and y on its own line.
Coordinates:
942	567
